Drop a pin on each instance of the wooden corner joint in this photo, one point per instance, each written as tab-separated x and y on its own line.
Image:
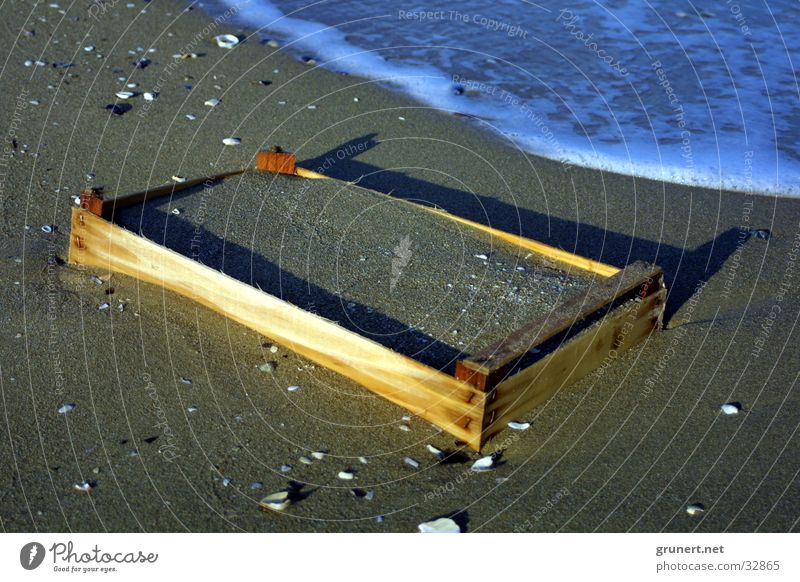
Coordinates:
278	162
91	199
482	380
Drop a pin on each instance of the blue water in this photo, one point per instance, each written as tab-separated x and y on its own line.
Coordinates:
703	92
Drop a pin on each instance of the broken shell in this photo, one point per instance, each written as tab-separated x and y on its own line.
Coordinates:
346	475
305	460
103	306
483	464
482	257
695	509
441	525
226	41
193	409
319	455
267	367
276	502
178	179
191	117
731	408
232	141
405	428
47	229
175	211
411	462
150	96
85	486
212	102
293	388
286	468
256	485
125	94
519	425
439	454
66	408
363	460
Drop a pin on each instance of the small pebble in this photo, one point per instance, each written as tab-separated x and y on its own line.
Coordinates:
267	367
441	525
695	509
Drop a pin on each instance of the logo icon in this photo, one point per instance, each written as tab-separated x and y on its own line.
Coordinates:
31	555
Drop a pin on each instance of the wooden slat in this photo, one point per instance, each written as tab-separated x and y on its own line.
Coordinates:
556	255
112	204
619	331
449	403
532	334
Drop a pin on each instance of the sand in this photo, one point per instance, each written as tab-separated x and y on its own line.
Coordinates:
625	450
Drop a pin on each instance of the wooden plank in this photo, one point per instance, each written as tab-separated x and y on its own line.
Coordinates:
451	404
497	356
559	256
276	162
111	204
618	331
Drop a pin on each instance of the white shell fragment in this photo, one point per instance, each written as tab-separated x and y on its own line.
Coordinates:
519	425
363	460
482	257
293	388
438	453
84	486
695	509
178	179
276	502
125	94
483	464
319	455
346	475
150	96
226	41
47	229
730	408
212	102
232	141
191	117
441	525
305	460
66	408
405	428
411	462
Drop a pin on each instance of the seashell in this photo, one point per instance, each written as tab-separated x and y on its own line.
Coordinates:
256	485
482	257
293	388
441	525
695	509
311	107
66	408
730	408
404	428
226	41
519	425
267	367
175	211
439	454
89	48
319	455
273	349
47	229
380	518
355	99
286	468
125	94
363	460
305	460
142	63
264	82
193	408
178	179
276	502
150	96
232	141
311	61
188	56
483	464
85	486
346	475
406	418
411	462
358	493
273	44
212	102
370	495
103	306
132	85
226	482
401	118
191	117
186	381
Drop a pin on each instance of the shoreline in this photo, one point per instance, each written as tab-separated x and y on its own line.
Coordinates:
162	374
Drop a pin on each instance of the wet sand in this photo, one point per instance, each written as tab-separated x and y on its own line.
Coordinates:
625	450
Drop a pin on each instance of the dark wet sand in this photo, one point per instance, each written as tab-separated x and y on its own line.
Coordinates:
625	450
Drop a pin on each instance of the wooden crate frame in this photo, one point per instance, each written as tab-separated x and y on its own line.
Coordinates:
488	389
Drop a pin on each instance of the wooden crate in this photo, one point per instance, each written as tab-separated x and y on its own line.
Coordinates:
501	383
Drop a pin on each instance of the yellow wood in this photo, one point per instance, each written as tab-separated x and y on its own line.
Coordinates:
618	331
451	404
547	251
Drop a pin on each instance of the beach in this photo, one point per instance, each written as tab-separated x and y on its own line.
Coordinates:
175	426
